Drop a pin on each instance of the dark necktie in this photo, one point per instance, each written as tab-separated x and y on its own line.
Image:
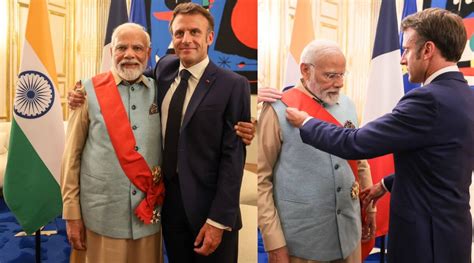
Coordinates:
173	124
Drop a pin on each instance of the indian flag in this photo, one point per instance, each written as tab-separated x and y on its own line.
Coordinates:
303	33
31	186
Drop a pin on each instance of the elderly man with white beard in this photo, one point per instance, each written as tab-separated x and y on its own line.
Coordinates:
308	204
110	182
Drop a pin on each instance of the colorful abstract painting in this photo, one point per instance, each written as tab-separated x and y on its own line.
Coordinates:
464	8
235	39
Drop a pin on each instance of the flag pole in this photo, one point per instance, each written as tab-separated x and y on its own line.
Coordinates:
382	249
38	245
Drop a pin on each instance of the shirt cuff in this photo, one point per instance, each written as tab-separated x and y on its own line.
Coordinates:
306	120
220	226
383	185
371	209
273	240
71	212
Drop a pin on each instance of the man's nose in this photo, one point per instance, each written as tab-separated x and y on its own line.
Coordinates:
129	53
339	82
403	60
187	37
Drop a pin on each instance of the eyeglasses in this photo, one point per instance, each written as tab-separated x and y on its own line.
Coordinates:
332	76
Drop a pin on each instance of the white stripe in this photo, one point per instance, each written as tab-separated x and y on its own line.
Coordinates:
385	87
46	134
106	59
292	72
470	79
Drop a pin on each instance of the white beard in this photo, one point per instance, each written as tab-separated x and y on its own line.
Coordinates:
129	74
330	99
325	96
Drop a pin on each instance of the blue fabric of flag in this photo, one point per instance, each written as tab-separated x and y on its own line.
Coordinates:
409	7
386	37
138	15
117	16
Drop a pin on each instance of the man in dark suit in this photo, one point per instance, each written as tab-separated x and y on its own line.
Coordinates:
431	134
203	156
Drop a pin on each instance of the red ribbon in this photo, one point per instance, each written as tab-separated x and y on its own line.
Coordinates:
295	98
120	132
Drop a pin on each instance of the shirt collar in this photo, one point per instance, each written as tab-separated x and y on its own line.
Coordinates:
439	72
144	80
196	70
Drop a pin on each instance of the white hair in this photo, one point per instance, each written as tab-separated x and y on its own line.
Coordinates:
317	49
129	26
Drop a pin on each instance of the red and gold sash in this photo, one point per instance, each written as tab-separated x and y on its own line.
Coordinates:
123	141
295	98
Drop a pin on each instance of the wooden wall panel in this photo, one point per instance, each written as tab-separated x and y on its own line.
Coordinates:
328	20
4	55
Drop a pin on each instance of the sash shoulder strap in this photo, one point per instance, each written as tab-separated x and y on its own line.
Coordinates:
123	141
295	98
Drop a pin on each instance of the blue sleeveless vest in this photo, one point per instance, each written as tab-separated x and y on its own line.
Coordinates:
312	192
108	198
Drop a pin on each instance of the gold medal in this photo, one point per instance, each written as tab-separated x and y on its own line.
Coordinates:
156	173
153	109
349	124
355	190
156	218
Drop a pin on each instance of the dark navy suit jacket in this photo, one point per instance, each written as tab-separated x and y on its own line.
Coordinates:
211	156
430	133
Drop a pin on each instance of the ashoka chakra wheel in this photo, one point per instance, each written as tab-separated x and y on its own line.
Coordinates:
34	95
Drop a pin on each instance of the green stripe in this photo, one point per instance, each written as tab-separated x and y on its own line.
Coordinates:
30	190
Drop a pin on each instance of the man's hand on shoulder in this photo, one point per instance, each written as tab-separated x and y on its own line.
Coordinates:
268	95
279	255
296	117
75	97
246	131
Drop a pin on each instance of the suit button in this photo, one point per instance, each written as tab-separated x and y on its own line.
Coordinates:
134	127
339	189
134	192
136	148
336	166
132	88
338	211
134	107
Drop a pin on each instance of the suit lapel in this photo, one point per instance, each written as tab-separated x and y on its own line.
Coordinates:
163	87
200	92
166	71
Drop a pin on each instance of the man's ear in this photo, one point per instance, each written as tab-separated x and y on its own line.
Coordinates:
305	70
210	38
429	49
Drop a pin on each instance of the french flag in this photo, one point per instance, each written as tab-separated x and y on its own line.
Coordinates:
117	16
385	88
